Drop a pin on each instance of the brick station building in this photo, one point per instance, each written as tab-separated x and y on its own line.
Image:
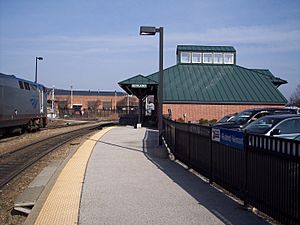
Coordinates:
207	84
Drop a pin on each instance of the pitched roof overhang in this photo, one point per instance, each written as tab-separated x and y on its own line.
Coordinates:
275	80
139	86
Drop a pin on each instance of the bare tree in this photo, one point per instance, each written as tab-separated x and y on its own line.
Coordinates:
295	97
94	105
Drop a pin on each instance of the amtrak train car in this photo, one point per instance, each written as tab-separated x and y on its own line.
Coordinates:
23	105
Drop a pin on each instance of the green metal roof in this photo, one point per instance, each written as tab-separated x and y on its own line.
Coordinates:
139	86
203	83
265	72
200	48
275	80
138	79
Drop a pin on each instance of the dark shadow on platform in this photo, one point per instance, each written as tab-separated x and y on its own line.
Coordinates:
223	207
120	146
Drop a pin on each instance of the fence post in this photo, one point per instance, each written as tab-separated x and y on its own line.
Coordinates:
246	169
210	157
189	143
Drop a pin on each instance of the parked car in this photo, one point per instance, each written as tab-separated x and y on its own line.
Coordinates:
227	118
246	117
284	126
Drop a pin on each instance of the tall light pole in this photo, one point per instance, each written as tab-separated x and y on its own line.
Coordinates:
36	59
115	101
71	96
146	30
52	102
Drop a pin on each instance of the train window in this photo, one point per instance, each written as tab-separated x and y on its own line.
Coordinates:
33	87
21	84
26	86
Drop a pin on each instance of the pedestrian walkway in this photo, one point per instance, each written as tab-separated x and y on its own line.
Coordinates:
63	201
125	184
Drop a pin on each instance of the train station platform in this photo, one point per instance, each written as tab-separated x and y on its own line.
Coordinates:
115	178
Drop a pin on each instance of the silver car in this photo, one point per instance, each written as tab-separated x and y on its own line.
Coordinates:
284	126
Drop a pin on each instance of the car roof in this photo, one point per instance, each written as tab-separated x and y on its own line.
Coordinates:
282	116
269	109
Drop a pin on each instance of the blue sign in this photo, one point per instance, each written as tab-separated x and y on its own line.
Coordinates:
229	137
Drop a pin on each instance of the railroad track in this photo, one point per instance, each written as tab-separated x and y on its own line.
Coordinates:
14	162
14	136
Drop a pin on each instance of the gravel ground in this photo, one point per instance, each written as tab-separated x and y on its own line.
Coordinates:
14	188
8	144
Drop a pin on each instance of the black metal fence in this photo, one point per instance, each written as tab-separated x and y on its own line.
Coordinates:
264	172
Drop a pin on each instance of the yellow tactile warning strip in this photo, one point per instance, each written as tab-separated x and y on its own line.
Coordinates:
62	204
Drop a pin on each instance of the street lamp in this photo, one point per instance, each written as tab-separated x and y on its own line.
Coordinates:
146	30
36	59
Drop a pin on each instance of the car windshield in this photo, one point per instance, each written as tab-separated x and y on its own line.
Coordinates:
224	119
242	117
263	125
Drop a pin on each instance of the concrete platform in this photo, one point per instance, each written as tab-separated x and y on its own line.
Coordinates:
115	178
126	184
28	198
63	201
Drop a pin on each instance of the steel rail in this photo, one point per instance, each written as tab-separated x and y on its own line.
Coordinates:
33	143
15	162
11	137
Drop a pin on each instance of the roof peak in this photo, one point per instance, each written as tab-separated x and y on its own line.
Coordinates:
206	48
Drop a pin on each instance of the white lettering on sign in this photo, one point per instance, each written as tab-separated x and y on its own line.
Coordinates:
139	85
215	135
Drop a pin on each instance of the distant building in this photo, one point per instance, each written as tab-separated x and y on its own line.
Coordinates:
82	101
206	83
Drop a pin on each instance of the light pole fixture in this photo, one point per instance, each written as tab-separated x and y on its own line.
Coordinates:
147	30
36	59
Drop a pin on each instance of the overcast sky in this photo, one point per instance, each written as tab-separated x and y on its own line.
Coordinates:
94	44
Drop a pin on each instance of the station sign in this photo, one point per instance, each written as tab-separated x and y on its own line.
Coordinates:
228	137
139	85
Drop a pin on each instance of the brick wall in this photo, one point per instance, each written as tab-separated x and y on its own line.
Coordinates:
84	100
196	112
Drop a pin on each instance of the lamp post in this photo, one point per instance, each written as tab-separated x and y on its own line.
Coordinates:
71	96
36	59
146	30
52	102
115	102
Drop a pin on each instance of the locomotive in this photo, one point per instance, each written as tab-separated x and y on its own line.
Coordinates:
23	105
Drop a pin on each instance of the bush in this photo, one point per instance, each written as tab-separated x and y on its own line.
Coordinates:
180	120
205	121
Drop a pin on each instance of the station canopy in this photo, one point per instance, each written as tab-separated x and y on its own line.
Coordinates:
139	86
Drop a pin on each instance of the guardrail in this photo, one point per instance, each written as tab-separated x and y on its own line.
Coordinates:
262	171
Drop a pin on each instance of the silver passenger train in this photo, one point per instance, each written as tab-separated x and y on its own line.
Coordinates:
23	105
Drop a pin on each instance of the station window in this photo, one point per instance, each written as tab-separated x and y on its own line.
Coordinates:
228	58
185	57
218	58
107	105
21	84
196	57
26	86
207	58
